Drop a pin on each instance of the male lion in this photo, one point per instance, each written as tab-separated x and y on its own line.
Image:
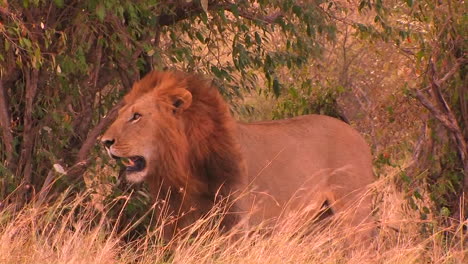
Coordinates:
176	133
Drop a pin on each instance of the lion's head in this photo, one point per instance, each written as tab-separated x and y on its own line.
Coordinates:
175	129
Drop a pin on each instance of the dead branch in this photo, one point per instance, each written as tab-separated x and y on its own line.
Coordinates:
46	186
269	19
451	72
96	131
82	162
182	10
186	10
442	112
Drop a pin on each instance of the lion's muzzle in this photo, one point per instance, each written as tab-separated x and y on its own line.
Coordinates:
132	163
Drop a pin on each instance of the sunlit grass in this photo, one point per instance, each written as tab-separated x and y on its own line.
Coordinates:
71	230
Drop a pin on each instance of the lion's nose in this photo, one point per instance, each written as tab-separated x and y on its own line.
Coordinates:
108	142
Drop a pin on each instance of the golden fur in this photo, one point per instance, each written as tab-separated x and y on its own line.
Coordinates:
196	153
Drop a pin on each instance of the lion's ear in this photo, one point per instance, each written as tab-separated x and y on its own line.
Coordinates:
181	100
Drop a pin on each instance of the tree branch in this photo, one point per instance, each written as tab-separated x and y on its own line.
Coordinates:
75	172
96	131
82	161
439	115
269	19
193	8
445	115
32	78
184	10
5	129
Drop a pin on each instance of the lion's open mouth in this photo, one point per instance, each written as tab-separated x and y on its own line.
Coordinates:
133	164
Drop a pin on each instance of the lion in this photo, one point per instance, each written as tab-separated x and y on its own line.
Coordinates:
176	133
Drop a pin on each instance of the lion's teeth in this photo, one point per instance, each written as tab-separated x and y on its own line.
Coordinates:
128	162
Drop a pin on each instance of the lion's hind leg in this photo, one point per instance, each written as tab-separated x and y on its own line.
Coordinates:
352	214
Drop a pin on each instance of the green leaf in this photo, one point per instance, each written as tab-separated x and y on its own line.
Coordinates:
222	14
293	92
7	45
297	10
276	88
234	10
417	195
426	210
59	3
248	40
37	58
204	18
244	28
362	5
445	211
25	43
258	38
101	12
200	37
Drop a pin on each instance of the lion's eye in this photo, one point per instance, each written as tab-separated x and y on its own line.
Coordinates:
135	117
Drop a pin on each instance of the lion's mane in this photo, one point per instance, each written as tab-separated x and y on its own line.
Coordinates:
202	162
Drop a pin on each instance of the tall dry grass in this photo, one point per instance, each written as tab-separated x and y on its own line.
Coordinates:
71	230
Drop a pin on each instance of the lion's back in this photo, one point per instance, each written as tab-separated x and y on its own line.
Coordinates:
327	141
304	156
